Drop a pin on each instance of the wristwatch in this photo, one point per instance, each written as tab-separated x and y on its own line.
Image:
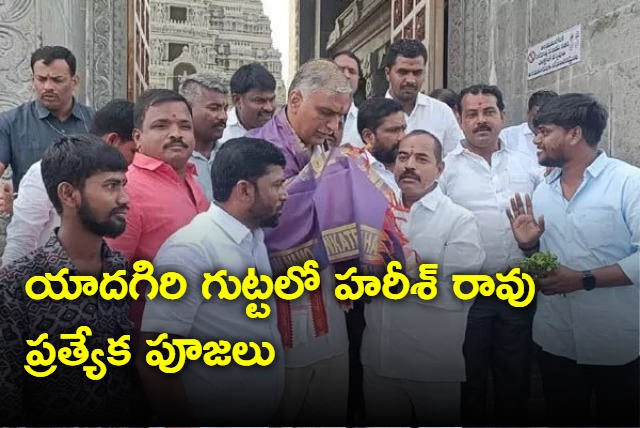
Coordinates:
588	280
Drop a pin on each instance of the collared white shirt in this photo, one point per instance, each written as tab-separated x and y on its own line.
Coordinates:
486	190
422	340
34	217
203	168
234	128
599	226
214	240
437	118
350	135
388	176
519	138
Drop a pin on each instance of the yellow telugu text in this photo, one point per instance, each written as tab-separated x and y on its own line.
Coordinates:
515	287
174	353
40	363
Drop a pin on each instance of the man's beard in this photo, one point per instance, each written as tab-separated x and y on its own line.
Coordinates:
262	213
386	156
110	228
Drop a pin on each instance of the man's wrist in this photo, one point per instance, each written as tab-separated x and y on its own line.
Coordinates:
529	250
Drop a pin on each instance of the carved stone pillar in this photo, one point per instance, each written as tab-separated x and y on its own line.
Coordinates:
18	39
106	52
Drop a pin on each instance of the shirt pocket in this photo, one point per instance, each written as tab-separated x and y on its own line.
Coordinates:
520	183
599	226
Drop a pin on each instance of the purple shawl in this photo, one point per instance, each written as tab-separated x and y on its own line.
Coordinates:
338	211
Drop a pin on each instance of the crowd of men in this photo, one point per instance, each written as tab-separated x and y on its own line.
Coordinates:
184	181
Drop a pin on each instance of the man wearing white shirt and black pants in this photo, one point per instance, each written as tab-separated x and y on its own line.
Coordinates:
586	322
482	175
405	69
248	181
349	63
412	349
520	137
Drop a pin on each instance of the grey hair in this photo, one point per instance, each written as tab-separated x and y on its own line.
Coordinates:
320	74
193	85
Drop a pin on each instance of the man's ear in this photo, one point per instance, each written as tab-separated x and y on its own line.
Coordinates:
368	137
76	82
235	99
111	139
245	191
295	101
387	70
68	195
136	134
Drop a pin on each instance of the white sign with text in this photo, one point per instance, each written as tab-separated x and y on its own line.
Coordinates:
559	51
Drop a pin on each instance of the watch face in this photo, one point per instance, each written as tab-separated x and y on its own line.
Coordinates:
588	280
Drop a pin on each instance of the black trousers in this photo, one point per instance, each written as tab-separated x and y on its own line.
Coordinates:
498	338
569	387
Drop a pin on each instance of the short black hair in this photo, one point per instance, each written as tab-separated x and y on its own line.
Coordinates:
75	158
116	116
252	76
575	110
408	48
242	158
48	54
374	110
537	99
152	97
447	96
486	90
437	150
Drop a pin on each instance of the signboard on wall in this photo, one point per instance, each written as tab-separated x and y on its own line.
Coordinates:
555	53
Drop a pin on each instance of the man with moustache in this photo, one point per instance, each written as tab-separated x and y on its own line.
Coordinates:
165	195
313	327
412	349
208	99
588	214
349	63
254	100
405	68
27	130
481	176
381	125
34	216
248	182
85	181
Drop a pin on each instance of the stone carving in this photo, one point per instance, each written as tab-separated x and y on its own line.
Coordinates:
421	24
222	34
17	41
15	10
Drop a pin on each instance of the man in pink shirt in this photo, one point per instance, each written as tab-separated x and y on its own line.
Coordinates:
161	184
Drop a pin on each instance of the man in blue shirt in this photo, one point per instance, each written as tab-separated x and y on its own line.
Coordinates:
27	130
587	316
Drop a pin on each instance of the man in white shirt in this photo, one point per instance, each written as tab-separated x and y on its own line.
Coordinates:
349	63
381	125
412	349
207	96
248	179
254	100
586	322
34	217
520	137
406	61
482	175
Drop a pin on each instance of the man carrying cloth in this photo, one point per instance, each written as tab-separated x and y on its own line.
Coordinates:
338	214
